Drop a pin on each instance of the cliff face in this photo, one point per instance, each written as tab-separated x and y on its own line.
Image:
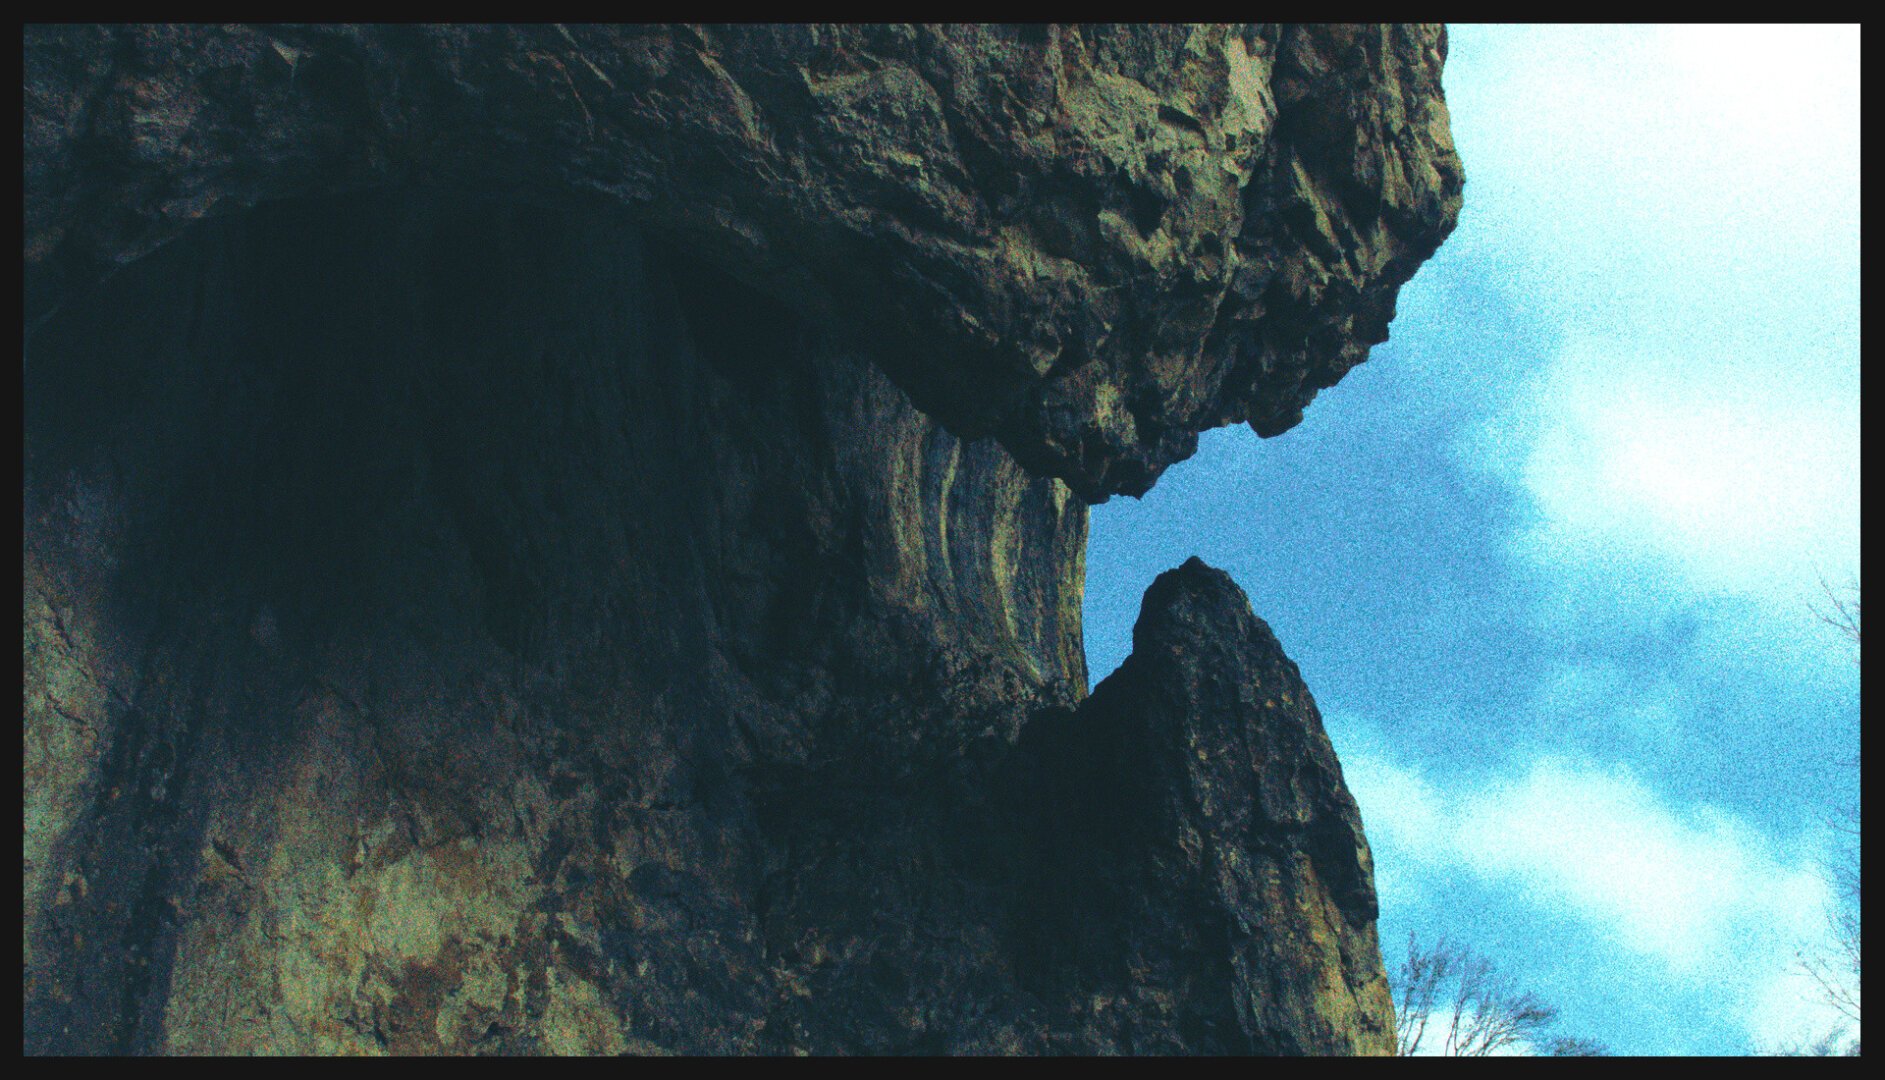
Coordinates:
571	539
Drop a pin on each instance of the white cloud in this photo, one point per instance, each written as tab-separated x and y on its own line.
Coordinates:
1681	206
1676	212
1713	904
1737	488
1682	888
1400	812
1611	154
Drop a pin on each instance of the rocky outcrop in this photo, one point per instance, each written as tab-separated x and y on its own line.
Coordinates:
570	539
1092	243
1200	830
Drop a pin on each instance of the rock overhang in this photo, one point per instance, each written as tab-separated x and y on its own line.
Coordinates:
1091	244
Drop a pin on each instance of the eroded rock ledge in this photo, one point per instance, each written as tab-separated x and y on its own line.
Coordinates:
571	539
1090	242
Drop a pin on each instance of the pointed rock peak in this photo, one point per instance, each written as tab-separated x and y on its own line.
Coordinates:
1237	826
1197	602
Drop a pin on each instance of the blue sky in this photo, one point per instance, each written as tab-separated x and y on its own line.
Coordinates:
1547	560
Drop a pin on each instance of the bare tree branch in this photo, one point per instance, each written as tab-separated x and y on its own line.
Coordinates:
1835	969
1842	610
1484	1012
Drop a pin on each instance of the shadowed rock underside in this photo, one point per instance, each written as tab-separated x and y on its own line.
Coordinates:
570	539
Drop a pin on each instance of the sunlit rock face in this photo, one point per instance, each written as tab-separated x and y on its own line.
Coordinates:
571	539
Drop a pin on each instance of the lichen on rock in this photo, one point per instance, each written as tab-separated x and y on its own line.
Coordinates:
570	539
1219	856
1090	242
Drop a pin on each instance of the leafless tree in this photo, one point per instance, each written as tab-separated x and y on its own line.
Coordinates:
1835	968
1472	1008
1575	1046
1841	611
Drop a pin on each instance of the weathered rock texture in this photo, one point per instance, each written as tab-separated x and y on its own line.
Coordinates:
1093	243
1200	828
571	539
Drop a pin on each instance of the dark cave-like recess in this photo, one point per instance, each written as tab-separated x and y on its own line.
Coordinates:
570	539
458	601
